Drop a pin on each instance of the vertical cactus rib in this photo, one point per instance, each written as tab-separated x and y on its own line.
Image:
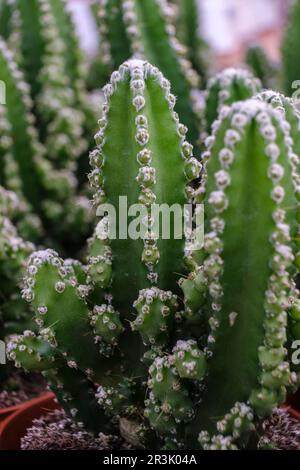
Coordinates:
225	88
115	44
76	393
136	96
141	29
250	187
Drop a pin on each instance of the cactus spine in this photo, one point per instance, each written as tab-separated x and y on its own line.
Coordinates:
143	30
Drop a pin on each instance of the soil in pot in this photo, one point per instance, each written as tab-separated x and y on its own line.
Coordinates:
294	402
282	431
55	431
20	387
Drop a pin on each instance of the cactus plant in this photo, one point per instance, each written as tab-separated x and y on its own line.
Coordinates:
143	29
172	356
290	59
287	107
223	89
251	150
188	30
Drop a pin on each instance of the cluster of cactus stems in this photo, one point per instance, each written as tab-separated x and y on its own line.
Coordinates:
43	38
177	348
25	169
145	30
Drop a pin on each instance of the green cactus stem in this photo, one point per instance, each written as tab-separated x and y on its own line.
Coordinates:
33	177
74	390
288	109
225	88
251	188
136	96
142	29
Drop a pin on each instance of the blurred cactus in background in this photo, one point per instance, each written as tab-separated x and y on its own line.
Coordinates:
260	65
49	118
49	193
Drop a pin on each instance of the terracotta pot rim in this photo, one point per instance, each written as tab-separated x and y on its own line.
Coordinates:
12	427
9	410
12	409
294	413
